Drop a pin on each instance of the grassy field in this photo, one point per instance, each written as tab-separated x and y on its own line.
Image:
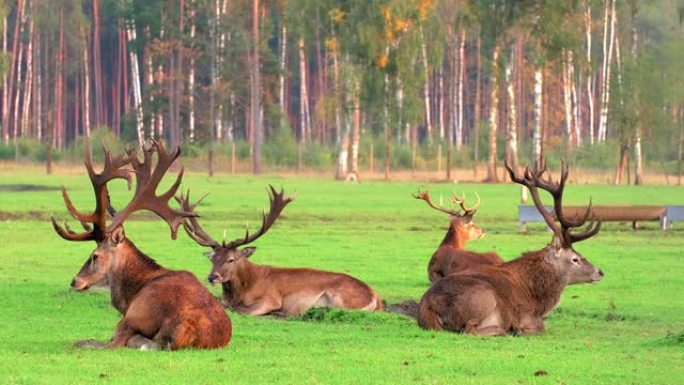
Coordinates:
627	329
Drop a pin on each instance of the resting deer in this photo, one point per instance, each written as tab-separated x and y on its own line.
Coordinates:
256	290
161	308
451	256
515	296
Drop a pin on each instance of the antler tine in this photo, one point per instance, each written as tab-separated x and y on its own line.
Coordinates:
425	195
278	202
461	202
70	235
592	229
191	226
531	180
113	169
147	181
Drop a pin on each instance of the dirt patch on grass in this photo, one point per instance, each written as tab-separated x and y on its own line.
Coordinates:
28	215
26	187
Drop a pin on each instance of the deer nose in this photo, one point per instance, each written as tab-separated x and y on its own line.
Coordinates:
213	278
73	282
601	272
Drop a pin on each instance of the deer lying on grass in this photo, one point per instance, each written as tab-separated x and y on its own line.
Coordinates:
256	290
161	308
515	296
451	256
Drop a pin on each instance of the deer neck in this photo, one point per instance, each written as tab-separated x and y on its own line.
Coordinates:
131	271
246	276
542	280
456	236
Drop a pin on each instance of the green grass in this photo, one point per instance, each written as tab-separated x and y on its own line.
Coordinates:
627	329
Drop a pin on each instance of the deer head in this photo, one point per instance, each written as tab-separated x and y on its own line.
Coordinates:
461	218
560	253
110	238
227	258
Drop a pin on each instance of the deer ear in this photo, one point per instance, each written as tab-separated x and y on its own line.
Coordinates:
209	254
117	236
247	251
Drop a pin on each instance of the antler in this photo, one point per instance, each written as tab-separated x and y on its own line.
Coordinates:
112	170
191	226
425	195
147	181
533	180
278	203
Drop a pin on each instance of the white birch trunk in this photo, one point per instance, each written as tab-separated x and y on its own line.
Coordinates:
461	81
283	70
576	118
39	92
338	100
538	104
426	86
135	81
5	91
304	96
603	117
588	79
28	87
19	84
512	137
567	99
86	86
493	118
191	76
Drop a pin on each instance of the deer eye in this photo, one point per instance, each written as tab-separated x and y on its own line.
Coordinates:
95	257
575	260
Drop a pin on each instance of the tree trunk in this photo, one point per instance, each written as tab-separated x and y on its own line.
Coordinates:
97	68
426	87
493	118
191	75
14	66
19	82
86	83
512	132
283	71
603	118
538	104
135	80
5	93
304	127
588	79
624	156
255	94
478	105
59	87
356	129
460	90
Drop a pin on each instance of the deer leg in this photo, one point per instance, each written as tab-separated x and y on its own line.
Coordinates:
123	333
260	308
483	330
90	343
531	325
137	341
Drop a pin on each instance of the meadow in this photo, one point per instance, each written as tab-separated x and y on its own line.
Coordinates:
627	329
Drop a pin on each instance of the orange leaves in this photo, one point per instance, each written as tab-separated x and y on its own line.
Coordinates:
337	15
381	61
424	8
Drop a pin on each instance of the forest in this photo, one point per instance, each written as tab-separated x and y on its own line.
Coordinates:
345	85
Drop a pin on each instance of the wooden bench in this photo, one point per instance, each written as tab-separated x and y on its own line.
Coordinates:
623	213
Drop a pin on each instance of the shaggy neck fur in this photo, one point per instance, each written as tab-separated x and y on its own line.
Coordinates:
131	270
543	280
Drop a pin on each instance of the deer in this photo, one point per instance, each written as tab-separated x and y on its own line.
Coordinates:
161	308
514	297
451	256
257	290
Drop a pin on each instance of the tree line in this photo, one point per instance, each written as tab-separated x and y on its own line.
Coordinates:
488	78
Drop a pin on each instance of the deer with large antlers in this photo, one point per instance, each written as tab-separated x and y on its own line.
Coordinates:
451	256
161	308
515	296
254	289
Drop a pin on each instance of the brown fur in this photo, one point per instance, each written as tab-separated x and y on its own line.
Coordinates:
451	256
254	289
508	298
170	309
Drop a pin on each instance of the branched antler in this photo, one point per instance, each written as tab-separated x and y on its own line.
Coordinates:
425	195
533	180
